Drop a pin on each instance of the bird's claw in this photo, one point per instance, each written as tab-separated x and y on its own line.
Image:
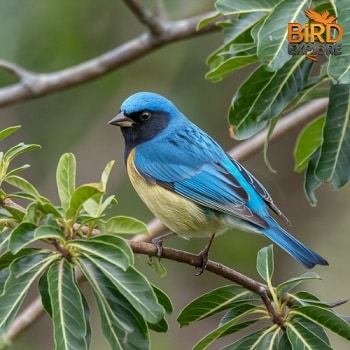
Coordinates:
158	243
205	258
204	254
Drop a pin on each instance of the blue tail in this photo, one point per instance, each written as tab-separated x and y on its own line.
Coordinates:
291	245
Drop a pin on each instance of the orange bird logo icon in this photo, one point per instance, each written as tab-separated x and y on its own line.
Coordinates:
323	17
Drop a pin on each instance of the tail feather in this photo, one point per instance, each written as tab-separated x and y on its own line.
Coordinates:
306	256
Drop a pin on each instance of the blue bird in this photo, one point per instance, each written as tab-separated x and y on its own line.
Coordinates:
188	181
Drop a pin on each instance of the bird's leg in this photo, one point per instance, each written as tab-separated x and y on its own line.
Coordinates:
158	242
204	253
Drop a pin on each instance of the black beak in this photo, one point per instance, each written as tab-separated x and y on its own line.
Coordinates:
122	120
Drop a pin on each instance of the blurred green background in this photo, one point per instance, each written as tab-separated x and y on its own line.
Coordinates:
45	36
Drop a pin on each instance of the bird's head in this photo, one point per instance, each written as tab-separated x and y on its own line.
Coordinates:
144	115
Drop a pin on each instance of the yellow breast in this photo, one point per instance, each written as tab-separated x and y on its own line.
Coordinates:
176	212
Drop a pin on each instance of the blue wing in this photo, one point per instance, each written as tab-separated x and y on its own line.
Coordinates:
193	165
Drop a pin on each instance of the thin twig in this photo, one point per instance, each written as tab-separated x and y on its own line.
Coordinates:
155	23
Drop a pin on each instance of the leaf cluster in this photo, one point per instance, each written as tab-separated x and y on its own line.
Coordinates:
48	244
257	32
286	319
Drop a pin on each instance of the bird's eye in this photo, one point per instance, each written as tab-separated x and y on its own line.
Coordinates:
145	115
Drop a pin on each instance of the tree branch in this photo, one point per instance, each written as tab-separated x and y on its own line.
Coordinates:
160	33
195	260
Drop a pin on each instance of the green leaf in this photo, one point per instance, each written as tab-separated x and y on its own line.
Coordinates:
238	309
7	258
8	131
134	287
311	182
213	302
124	225
4	274
47	231
160	327
65	178
48	208
80	196
315	329
229	7
264	263
224	328
307	143
105	175
157	265
15	151
43	288
324	318
32	214
95	207
312	89
4	239
284	343
264	95
17	170
339	66
272	37
334	161
163	299
23	272
238	49
248	342
110	248
21	236
122	326
68	312
306	298
12	214
204	21
236	33
288	285
229	65
23	185
301	336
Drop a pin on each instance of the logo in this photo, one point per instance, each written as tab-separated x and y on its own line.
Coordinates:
319	36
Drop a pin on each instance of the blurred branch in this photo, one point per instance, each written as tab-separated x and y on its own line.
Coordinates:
155	23
291	121
160	32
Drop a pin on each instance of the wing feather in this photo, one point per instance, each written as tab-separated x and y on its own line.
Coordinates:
191	164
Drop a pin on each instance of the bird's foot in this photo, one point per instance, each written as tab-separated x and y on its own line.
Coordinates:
158	242
204	254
